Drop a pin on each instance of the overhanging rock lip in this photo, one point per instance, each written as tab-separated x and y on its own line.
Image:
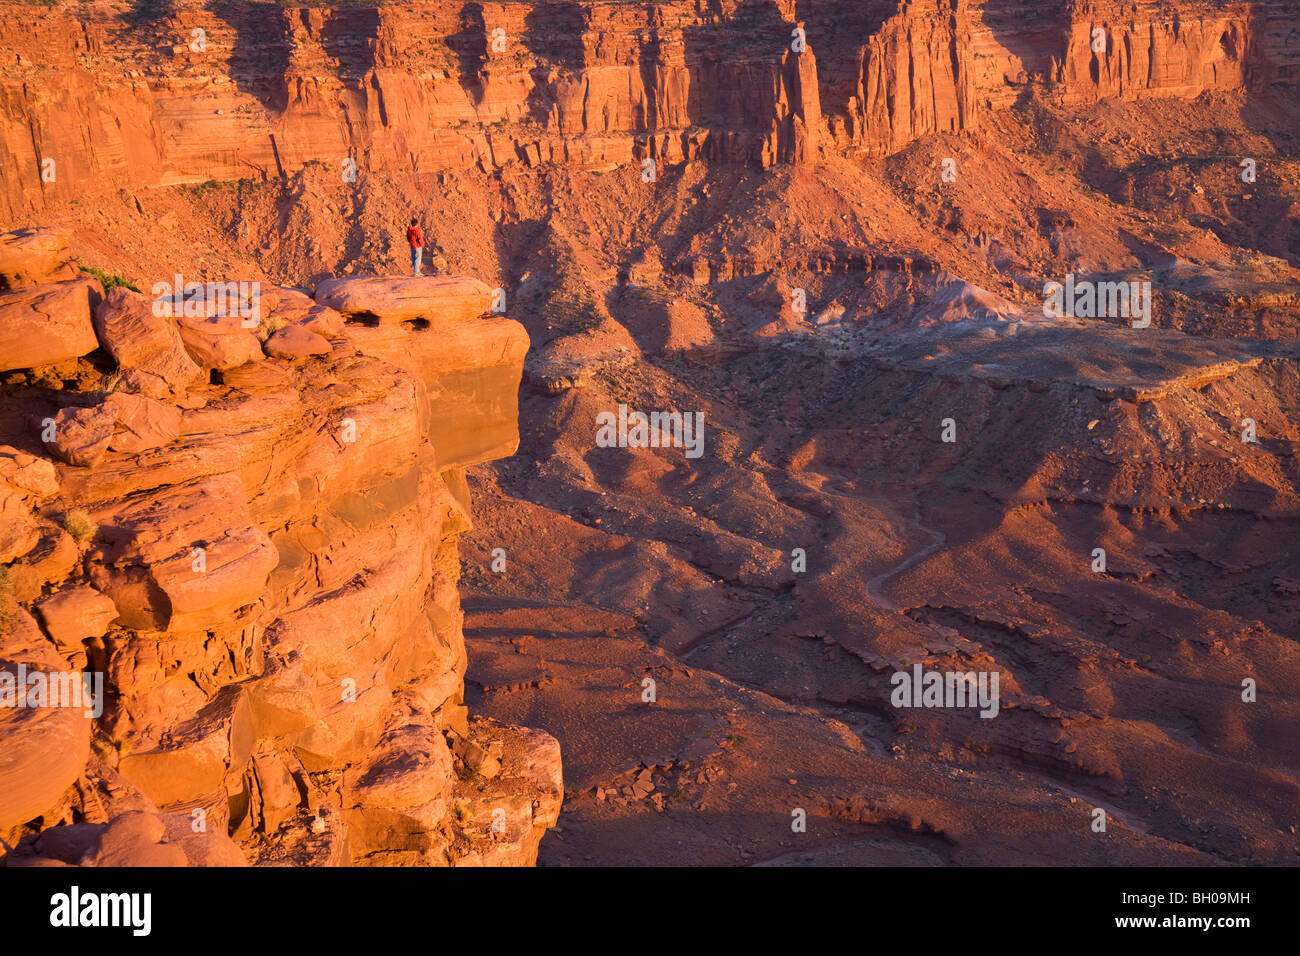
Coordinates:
396	299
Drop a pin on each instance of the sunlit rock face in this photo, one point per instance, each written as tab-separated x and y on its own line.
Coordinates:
260	90
470	364
261	565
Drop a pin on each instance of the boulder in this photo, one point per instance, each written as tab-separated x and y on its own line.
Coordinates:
391	299
322	320
74	615
293	307
30	257
277	790
19	532
25	482
33	476
45	748
138	339
142	423
137	382
50	561
208	848
131	839
295	343
283	301
198	752
399	797
82	435
219	341
185	557
136	839
46	323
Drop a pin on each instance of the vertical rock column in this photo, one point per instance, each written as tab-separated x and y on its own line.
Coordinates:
506	788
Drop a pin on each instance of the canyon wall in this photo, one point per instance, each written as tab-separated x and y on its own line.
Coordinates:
249	528
106	95
1085	51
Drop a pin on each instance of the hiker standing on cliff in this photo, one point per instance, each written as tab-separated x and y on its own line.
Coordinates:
416	238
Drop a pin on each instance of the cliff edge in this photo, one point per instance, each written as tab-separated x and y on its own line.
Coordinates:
235	511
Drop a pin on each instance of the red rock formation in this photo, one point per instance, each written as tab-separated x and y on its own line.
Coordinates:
263	90
265	570
46	323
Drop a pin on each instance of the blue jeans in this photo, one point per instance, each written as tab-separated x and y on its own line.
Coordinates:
416	255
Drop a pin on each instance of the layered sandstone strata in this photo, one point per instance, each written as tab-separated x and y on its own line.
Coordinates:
102	96
247	524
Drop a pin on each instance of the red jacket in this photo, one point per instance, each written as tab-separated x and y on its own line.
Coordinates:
414	237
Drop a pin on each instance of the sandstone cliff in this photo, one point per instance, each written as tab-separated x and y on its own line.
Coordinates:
249	527
105	95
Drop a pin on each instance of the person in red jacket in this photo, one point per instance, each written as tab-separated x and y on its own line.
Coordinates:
416	239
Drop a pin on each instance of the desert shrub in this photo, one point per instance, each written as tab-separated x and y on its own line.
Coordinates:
78	524
269	326
107	280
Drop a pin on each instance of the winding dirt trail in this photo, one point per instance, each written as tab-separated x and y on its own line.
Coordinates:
937	540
